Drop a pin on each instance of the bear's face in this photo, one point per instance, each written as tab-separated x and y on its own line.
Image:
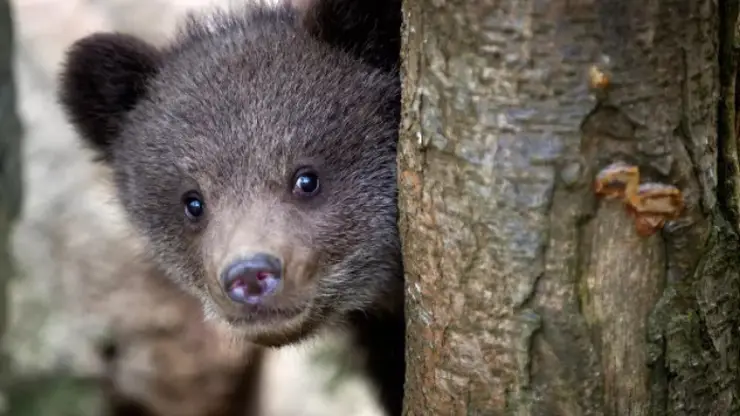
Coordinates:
257	158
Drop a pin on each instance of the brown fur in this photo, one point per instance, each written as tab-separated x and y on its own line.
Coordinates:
234	109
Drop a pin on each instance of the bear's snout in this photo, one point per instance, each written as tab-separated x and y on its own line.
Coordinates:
251	278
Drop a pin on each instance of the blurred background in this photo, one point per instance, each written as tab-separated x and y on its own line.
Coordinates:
76	284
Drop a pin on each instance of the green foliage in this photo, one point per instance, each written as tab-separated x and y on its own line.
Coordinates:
56	395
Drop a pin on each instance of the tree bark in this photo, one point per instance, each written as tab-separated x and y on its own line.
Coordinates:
10	173
528	292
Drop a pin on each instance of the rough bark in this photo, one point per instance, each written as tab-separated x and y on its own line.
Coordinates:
526	293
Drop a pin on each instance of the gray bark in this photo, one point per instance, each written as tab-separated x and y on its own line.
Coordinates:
527	292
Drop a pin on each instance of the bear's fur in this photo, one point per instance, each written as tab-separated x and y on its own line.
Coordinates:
232	111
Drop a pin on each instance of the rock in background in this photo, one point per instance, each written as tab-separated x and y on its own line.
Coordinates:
79	281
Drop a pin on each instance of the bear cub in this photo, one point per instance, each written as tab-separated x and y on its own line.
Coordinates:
256	154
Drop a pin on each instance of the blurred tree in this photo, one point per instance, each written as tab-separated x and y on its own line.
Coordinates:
41	394
10	173
529	292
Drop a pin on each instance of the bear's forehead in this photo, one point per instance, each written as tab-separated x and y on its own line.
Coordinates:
274	83
261	101
267	69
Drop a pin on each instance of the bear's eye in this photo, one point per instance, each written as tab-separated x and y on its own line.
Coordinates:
194	206
305	183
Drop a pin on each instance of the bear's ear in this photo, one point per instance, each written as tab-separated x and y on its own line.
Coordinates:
103	77
369	29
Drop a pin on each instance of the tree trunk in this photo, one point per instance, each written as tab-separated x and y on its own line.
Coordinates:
529	292
40	394
10	173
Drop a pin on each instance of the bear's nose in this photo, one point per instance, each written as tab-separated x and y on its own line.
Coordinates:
249	279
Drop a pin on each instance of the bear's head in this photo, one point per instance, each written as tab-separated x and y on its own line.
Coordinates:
257	155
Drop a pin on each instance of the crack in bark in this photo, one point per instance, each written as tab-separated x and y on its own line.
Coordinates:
616	334
728	165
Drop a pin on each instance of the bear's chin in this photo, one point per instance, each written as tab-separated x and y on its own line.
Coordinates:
266	326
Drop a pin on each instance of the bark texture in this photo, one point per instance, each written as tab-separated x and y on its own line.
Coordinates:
526	293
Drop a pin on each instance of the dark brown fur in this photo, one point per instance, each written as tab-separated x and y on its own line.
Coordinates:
232	109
